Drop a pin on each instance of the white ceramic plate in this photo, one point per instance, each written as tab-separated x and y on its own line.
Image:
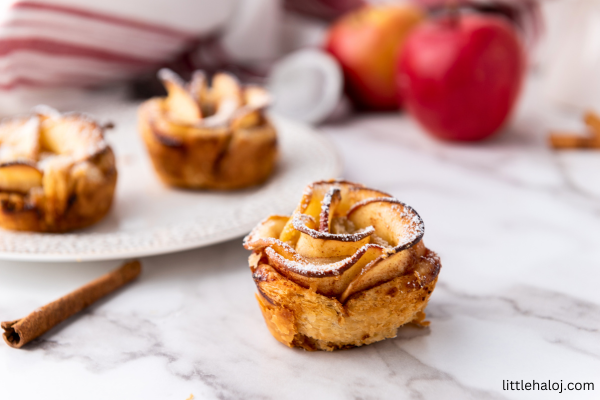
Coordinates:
148	218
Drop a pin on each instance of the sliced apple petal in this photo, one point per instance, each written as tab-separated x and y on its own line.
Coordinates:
290	234
378	239
20	139
57	186
327	278
200	109
256	97
351	193
198	86
318	244
395	222
310	247
246	118
46	111
299	223
19	177
226	95
180	104
74	135
265	236
270	227
382	270
328	205
227	87
28	146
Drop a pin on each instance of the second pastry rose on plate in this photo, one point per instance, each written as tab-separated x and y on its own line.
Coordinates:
57	173
209	137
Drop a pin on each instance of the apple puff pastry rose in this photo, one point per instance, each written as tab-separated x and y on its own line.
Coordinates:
212	137
346	269
57	173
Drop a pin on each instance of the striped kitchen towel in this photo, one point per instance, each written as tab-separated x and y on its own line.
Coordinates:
79	43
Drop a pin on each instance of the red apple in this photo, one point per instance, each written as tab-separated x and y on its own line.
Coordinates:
460	75
366	42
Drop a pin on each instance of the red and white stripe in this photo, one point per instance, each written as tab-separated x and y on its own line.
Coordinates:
49	45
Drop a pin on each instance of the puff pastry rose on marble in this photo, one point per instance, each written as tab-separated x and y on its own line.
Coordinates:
348	268
57	173
209	137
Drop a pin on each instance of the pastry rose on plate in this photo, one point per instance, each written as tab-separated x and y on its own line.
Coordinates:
346	269
57	173
215	137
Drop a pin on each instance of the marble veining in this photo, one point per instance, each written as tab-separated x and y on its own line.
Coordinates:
517	227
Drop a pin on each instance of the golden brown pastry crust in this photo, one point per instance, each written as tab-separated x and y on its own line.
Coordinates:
238	152
299	314
76	189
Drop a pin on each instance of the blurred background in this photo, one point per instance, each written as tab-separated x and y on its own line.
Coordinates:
322	59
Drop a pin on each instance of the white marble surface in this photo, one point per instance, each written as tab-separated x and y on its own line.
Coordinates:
516	225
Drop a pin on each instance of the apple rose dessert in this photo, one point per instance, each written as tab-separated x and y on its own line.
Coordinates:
209	137
348	268
57	173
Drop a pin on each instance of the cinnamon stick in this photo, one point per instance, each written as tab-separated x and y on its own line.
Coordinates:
559	140
21	331
592	120
591	140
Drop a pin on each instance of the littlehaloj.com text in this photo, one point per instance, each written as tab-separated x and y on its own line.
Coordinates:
547	386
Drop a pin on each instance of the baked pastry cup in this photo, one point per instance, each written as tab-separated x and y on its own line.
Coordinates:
203	137
57	173
348	268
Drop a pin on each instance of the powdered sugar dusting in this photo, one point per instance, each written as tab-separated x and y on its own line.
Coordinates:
342	225
406	226
312	267
414	227
332	197
88	133
300	225
380	241
232	101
